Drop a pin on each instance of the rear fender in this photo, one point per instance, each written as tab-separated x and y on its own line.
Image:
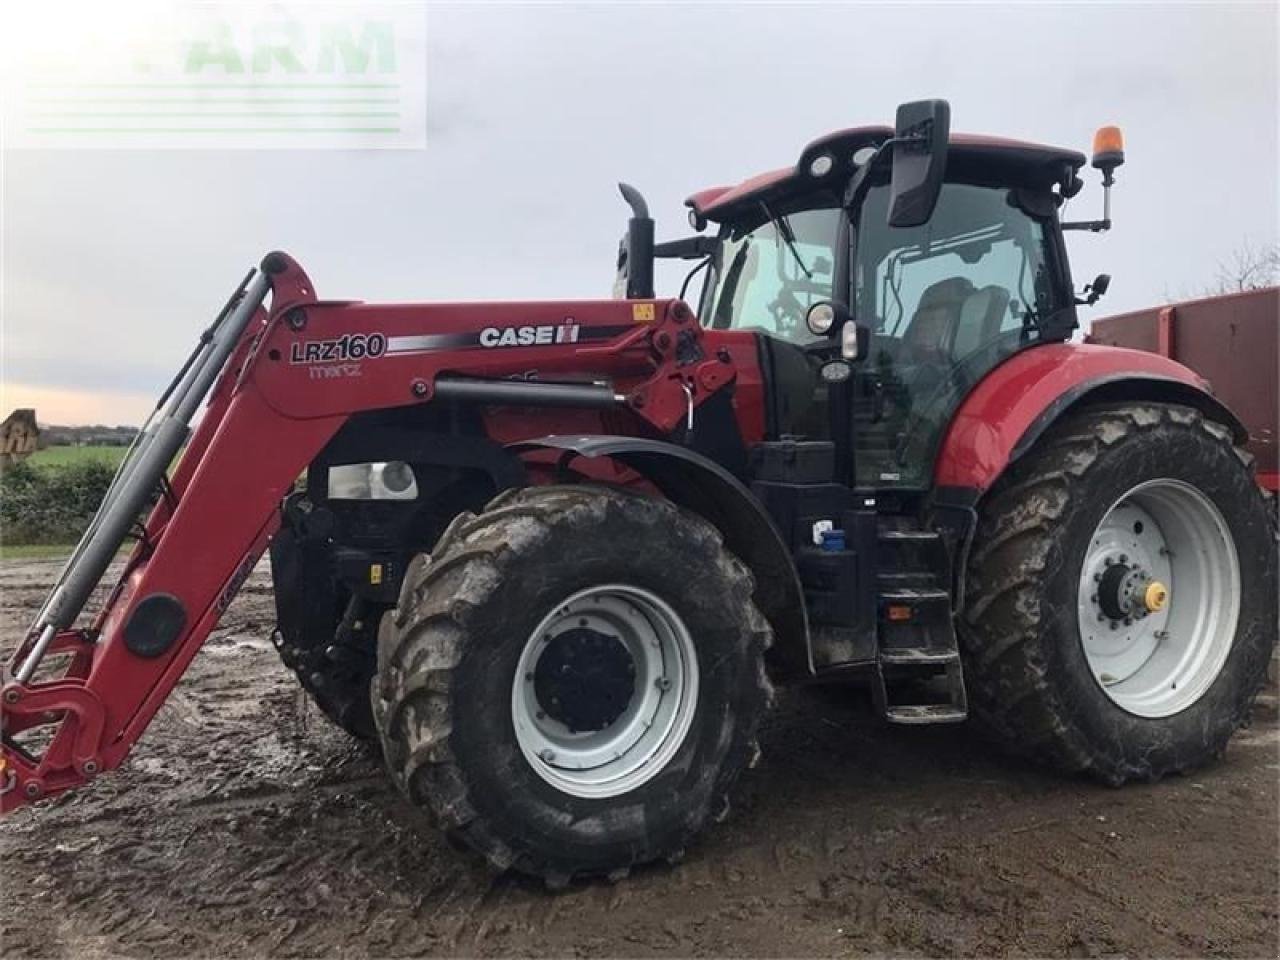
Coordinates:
1010	408
704	487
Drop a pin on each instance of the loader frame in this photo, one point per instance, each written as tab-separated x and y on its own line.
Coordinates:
281	381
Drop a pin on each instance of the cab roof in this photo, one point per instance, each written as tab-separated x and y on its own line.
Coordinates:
976	157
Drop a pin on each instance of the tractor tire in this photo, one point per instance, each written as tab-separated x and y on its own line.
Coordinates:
325	640
1121	594
573	680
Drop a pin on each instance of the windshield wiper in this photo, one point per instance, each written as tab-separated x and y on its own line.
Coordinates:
788	236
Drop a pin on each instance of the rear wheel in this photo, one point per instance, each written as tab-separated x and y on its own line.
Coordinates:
1120	603
572	681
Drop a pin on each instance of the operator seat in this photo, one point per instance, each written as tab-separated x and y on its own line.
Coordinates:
931	333
981	316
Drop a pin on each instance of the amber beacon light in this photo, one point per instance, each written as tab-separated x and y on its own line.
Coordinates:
1108	150
1108	153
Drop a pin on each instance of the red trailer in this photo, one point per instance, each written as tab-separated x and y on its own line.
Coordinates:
1232	342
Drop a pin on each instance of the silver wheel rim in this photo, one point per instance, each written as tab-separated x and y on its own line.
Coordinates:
635	746
1157	659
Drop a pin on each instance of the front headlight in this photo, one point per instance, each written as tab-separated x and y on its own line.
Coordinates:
392	480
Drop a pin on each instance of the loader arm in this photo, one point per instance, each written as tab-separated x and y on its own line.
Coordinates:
281	380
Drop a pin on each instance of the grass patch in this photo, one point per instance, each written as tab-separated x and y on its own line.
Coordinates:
35	551
69	456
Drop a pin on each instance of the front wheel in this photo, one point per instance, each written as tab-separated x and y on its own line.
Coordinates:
572	681
1121	594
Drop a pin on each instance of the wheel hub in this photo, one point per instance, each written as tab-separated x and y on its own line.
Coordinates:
584	679
1128	591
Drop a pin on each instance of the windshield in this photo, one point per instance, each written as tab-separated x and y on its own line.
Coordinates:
946	301
767	284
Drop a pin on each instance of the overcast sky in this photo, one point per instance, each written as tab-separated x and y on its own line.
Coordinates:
114	260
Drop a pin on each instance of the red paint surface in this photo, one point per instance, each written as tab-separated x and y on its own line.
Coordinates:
999	410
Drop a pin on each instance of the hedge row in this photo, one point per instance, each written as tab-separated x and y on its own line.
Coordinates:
50	504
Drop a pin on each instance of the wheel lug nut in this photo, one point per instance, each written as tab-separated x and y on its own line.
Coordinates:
1124	558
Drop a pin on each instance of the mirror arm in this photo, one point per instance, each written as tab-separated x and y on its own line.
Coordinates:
687	248
853	193
1098	226
1093	226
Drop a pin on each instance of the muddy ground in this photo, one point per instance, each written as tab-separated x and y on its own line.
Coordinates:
245	825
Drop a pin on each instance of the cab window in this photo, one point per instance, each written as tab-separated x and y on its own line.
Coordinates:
766	279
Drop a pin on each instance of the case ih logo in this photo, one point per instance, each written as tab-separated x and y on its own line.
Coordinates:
352	346
544	335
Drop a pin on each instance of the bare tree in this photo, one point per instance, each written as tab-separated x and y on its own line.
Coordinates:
1248	268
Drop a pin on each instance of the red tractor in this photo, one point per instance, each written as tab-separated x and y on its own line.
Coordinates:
554	556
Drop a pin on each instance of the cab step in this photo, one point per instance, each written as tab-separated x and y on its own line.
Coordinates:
911	536
909	656
922	713
938	680
919	677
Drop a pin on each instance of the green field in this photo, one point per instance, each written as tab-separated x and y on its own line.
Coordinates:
60	456
34	551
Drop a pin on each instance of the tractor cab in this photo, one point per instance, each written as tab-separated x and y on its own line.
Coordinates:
939	298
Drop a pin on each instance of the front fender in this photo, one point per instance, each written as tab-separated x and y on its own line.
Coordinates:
1004	415
703	486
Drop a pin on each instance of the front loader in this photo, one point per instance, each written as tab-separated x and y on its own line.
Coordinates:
553	557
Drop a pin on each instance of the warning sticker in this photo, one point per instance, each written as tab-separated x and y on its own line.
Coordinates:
642	312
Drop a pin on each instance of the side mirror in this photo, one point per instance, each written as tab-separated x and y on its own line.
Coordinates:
1093	292
920	140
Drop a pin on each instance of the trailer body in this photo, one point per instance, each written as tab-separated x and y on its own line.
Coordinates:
1233	342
